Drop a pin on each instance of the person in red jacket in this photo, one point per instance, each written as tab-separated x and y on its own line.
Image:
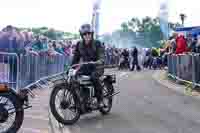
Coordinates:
181	45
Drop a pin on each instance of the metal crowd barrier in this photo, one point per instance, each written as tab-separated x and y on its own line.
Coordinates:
20	71
9	69
185	67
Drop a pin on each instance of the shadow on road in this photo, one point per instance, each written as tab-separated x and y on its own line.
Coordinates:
96	120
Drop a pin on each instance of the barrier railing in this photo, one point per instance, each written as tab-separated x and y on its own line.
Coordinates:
19	71
9	69
185	67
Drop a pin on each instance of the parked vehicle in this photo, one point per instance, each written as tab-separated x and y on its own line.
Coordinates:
12	105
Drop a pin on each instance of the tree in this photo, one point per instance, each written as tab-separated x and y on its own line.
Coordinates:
148	30
53	34
36	31
124	27
50	32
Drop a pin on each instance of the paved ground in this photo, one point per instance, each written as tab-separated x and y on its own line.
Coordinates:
143	106
37	118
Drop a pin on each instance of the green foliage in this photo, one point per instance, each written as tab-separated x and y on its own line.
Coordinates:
124	27
50	33
148	30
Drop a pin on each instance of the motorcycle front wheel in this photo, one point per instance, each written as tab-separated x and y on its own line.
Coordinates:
64	106
11	113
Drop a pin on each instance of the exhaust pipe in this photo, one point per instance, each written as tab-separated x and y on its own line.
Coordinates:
112	95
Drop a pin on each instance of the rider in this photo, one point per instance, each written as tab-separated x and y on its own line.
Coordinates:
90	50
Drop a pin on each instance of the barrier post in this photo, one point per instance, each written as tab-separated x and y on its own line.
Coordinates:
194	79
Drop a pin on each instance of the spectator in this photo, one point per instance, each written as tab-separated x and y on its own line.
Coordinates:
198	45
51	50
193	45
173	42
189	41
67	49
154	52
181	45
59	49
134	55
37	44
10	40
54	45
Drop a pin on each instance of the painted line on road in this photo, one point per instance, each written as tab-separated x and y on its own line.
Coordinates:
32	130
37	117
122	74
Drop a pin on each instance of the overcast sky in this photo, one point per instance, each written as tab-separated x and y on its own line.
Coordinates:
68	15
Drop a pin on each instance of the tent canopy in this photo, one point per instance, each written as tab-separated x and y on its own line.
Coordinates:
189	30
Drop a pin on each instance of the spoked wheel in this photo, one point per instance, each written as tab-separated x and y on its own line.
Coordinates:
11	113
64	105
107	101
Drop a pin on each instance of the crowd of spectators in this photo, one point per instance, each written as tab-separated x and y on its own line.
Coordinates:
179	43
14	41
42	45
24	42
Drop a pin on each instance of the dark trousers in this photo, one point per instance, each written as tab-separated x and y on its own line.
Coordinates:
135	64
91	70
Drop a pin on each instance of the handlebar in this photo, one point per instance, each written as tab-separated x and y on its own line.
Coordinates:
85	63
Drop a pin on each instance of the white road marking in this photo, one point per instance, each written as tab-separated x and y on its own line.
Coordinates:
31	130
37	117
66	130
122	74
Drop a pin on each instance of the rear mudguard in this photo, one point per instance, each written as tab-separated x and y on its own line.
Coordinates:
11	92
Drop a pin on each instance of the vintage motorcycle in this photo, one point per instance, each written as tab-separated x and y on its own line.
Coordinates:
76	94
12	105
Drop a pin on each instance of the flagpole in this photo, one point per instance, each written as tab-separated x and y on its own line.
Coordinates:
95	17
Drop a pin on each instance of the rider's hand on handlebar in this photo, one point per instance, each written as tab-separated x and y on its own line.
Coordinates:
76	65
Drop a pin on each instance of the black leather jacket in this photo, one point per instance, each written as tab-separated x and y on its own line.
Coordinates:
86	53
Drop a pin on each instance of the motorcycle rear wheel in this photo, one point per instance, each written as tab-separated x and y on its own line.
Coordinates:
19	112
107	90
